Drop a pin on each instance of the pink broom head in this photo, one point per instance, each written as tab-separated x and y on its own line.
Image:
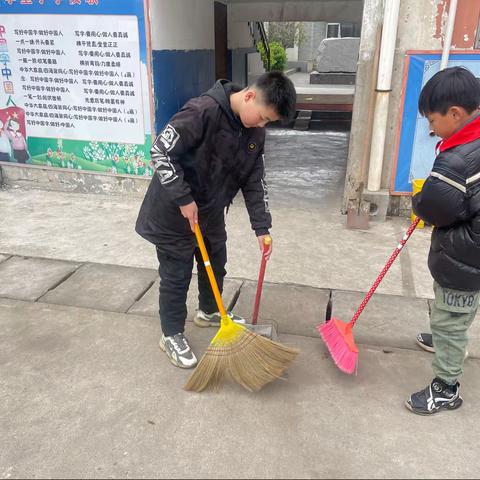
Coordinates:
338	337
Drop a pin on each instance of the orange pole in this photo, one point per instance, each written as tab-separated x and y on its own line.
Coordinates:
209	269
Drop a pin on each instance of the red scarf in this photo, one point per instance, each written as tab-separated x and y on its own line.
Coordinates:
468	133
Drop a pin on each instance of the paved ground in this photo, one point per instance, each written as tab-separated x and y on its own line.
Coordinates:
305	172
86	393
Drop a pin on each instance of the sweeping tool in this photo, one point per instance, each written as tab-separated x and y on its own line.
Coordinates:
235	352
338	335
265	330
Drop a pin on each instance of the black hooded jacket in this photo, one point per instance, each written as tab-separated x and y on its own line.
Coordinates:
450	200
204	154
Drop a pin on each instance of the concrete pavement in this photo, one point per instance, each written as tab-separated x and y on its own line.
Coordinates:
310	240
305	173
87	393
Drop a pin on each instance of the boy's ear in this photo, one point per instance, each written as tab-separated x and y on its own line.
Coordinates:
250	95
456	112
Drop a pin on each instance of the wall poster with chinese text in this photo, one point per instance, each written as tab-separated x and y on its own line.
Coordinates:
415	147
74	86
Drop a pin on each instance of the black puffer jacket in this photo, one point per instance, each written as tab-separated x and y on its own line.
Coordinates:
205	154
450	200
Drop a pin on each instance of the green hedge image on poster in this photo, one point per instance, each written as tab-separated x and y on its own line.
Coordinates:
92	156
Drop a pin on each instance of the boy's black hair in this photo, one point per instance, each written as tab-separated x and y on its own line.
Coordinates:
278	91
455	86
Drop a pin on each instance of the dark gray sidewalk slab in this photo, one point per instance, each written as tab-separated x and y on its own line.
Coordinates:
148	304
473	335
26	278
387	321
293	309
88	394
102	287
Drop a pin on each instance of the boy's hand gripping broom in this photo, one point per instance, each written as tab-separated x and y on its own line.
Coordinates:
338	335
235	352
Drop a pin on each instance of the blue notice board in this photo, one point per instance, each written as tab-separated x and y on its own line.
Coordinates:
415	148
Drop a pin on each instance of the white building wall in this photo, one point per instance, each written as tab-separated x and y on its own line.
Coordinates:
182	24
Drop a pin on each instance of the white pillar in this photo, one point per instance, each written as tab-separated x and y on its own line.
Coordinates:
378	141
447	41
384	83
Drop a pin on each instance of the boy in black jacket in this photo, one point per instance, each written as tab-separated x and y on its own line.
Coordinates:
210	149
450	200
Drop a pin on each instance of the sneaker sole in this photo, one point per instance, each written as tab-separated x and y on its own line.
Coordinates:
199	322
457	404
204	323
425	347
172	361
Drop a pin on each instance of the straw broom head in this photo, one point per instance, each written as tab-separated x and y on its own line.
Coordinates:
242	356
236	353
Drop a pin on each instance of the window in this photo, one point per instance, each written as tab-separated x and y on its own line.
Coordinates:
333	30
347	30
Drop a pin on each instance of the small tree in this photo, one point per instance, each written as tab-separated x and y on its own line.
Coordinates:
288	34
278	56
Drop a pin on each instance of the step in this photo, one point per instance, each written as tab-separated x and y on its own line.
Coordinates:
388	321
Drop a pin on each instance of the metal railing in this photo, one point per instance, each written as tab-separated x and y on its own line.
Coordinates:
264	39
257	29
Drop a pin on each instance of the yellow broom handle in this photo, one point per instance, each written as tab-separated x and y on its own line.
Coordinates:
209	269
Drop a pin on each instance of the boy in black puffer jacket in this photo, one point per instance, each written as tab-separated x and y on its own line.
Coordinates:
212	148
450	200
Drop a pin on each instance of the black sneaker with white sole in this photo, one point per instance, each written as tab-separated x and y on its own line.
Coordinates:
178	350
202	319
436	397
425	341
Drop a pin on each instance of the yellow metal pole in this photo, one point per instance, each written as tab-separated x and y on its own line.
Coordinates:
209	269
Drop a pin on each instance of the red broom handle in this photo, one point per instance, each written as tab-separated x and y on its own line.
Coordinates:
392	258
267	241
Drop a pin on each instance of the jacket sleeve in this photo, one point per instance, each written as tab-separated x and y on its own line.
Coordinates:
255	193
182	133
443	200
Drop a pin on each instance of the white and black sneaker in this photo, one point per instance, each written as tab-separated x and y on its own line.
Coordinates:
202	319
425	341
178	350
436	397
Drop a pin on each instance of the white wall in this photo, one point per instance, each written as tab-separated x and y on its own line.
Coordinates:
240	43
315	32
239	35
292	54
182	24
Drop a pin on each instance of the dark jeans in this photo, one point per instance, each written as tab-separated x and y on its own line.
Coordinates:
175	272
